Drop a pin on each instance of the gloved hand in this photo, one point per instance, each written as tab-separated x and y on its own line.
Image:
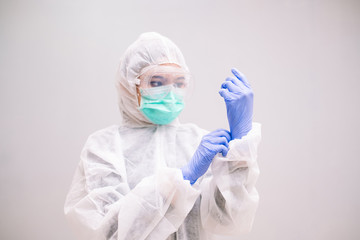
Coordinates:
238	97
211	144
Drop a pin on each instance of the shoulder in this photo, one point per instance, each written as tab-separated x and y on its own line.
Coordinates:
103	146
104	137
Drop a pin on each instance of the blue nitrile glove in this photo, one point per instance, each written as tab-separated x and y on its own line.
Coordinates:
238	97
211	144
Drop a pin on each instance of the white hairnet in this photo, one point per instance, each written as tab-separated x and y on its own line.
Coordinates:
150	49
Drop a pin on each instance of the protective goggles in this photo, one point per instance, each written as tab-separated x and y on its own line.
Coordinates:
157	81
160	76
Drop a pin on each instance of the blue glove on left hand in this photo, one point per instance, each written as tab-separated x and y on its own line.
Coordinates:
238	97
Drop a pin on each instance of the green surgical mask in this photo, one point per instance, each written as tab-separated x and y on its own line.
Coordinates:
161	110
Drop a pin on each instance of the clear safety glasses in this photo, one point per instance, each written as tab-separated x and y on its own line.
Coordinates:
158	82
153	79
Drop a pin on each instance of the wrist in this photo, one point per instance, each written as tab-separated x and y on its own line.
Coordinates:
187	175
238	133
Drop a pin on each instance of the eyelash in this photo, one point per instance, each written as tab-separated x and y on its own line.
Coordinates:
159	83
179	84
156	83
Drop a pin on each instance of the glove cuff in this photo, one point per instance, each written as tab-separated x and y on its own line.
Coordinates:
186	175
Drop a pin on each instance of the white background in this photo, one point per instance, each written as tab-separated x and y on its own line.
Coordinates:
57	68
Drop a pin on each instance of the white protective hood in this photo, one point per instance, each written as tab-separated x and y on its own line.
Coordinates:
150	49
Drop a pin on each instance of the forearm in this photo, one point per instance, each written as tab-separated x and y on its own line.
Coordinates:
159	198
104	213
229	197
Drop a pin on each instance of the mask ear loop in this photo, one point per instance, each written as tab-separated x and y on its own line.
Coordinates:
138	94
138	81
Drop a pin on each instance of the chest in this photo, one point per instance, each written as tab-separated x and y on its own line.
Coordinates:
147	151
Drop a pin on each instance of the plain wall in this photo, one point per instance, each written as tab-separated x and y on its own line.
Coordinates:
57	68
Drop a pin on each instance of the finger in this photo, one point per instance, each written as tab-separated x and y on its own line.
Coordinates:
240	86
224	94
224	153
228	84
240	76
222	149
235	81
222	133
219	140
228	96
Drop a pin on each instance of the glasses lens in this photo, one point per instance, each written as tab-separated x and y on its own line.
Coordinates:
160	79
165	76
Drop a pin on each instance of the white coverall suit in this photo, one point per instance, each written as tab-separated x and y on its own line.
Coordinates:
129	185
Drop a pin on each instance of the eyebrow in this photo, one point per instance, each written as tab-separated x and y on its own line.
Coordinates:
159	77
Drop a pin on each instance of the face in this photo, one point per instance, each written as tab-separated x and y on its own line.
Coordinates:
165	75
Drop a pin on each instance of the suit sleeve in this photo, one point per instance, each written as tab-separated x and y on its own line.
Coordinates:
229	197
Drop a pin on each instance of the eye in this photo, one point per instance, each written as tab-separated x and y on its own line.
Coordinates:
179	84
156	83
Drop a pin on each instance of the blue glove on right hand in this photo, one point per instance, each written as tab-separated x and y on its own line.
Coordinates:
211	144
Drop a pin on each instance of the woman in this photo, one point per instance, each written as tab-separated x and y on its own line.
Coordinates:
150	177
